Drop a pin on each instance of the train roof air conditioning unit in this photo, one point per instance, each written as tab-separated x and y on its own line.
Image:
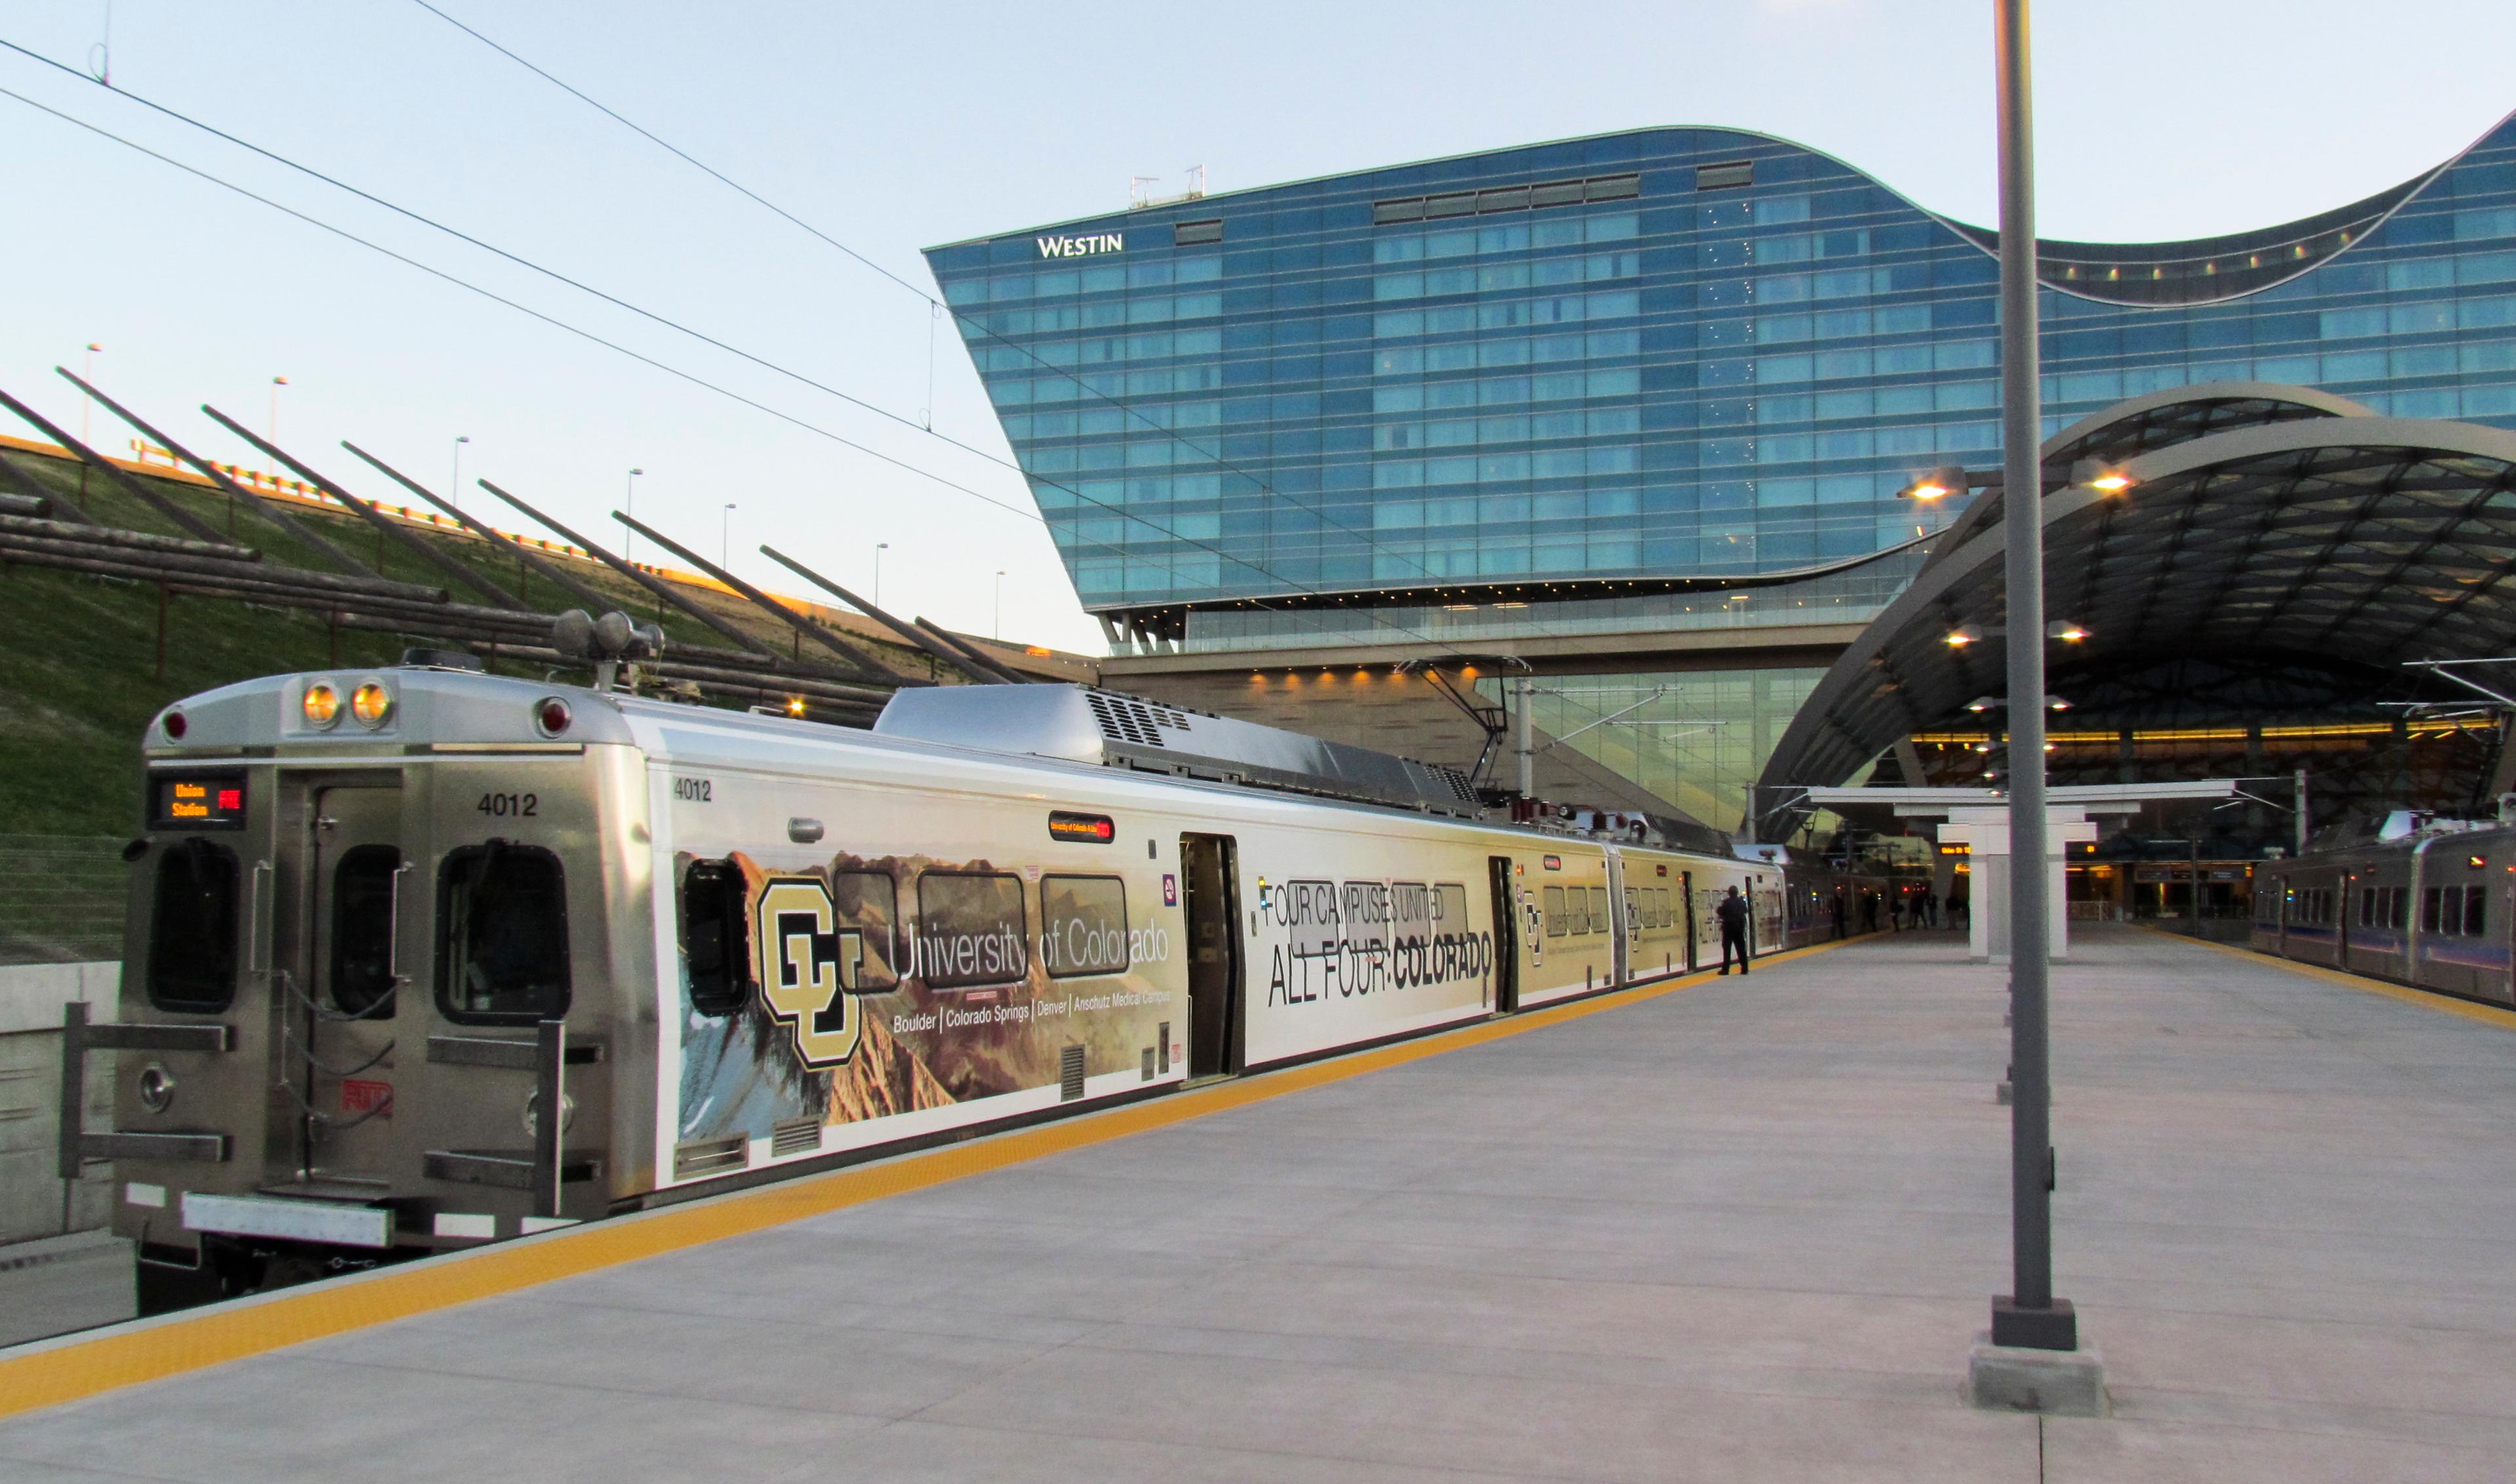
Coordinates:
1084	725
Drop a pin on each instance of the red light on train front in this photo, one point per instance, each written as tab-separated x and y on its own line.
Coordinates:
175	725
551	716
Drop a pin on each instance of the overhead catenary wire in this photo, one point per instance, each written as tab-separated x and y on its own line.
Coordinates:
937	307
669	369
936	304
677	372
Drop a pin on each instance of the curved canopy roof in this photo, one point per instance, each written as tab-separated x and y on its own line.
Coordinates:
2332	538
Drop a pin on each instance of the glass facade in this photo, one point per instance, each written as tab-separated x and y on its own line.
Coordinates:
1643	356
1696	738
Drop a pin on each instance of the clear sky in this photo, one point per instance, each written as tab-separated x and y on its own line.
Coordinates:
896	127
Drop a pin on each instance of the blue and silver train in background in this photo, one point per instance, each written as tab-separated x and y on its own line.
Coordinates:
2428	902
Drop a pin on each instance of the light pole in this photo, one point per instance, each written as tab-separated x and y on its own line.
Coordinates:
271	428
998	632
2030	1316
454	482
629	547
879	547
723	538
87	373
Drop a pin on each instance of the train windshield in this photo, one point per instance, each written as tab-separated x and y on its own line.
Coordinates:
192	934
502	934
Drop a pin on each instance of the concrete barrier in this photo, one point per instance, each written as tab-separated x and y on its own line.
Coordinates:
31	996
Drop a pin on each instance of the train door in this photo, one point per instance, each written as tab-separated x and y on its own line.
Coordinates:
1506	937
338	986
1686	908
1214	977
1620	920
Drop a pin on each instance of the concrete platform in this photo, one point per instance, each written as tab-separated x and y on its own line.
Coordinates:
1748	1230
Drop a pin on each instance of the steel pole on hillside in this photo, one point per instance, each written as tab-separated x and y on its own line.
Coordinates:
2029	1316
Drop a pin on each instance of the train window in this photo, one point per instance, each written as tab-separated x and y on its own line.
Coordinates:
501	935
362	931
192	932
2399	906
716	936
1450	908
1598	908
868	901
1551	901
2429	909
2476	910
971	930
1082	925
1366	910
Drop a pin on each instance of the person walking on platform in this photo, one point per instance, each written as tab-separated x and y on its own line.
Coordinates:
1732	912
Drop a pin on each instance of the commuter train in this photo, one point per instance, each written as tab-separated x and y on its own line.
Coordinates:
2433	908
382	923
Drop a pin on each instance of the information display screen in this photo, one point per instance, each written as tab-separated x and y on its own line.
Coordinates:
1090	828
196	801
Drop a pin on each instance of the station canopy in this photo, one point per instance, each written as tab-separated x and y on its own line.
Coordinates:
2239	522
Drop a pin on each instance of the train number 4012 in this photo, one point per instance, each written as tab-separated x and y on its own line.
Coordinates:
521	806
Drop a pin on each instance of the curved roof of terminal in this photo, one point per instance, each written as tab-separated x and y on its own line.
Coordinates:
2196	271
2259	520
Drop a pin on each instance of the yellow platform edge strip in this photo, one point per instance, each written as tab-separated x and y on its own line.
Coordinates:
2427	999
152	1350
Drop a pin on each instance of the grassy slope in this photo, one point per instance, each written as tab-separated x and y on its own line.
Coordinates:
78	675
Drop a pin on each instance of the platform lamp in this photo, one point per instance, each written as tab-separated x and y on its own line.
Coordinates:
1937	485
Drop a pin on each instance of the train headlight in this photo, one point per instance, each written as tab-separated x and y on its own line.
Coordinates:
323	706
551	716
372	704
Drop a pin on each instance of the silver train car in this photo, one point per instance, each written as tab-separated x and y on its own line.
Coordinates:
420	958
2435	911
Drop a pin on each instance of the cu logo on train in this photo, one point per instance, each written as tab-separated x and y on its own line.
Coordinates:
809	968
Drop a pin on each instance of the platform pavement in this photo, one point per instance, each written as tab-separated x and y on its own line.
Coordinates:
1740	1231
